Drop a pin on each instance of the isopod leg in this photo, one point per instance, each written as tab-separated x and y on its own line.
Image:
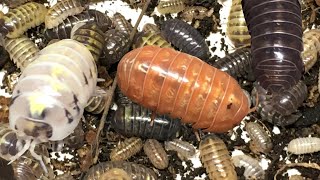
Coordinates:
37	157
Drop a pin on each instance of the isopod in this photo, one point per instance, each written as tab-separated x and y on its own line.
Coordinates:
14	3
195	12
63	30
156	153
61	10
237	30
120	23
276	42
18	20
151	38
148	27
115	174
185	37
183	148
126	149
253	170
260	140
21	50
136	171
170	6
311	48
304	145
167	81
51	108
215	157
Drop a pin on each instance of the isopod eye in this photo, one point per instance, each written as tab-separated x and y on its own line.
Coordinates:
11	146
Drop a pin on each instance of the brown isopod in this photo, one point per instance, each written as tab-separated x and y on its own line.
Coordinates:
195	12
151	38
171	82
304	145
156	153
215	158
170	6
148	27
126	149
115	174
311	48
260	140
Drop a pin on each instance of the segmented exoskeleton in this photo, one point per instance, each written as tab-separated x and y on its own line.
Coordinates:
150	38
311	48
61	10
126	149
115	174
148	27
136	171
304	145
18	20
63	30
14	3
276	42
252	168
156	153
183	148
170	6
21	50
195	12
120	23
260	140
185	37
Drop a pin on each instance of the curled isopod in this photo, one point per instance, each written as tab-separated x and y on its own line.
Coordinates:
183	148
304	145
260	140
19	20
150	38
122	24
126	149
21	50
215	157
253	170
170	6
185	37
195	12
135	171
61	10
156	153
115	174
311	48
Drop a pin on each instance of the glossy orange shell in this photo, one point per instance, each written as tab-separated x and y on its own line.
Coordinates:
171	82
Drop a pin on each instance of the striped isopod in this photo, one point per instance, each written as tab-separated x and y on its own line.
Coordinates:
126	149
61	10
14	3
90	35
237	64
167	81
51	108
252	168
195	12
260	140
117	45
18	20
279	108
150	38
148	27
170	6
21	50
237	30
311	48
156	153
276	42
120	23
215	157
185	37
63	30
136	171
131	119
115	174
304	145
183	148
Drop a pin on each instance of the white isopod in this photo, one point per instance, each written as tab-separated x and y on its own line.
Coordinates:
304	145
252	168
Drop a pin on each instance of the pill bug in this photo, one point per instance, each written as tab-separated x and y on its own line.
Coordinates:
61	10
237	64
14	3
311	48
117	45
114	174
133	120
260	140
276	42
215	157
148	27
176	93
150	38
53	110
185	37
4	109
21	50
195	12
252	168
183	148
126	149
63	30
237	30
91	36
304	145
121	23
156	153
170	6
136	171
18	20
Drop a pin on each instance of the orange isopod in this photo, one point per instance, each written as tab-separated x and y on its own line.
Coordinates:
175	83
